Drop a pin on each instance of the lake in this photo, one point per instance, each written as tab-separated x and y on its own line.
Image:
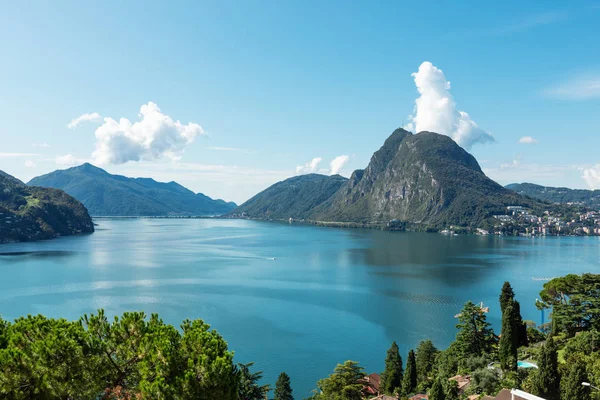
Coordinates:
289	297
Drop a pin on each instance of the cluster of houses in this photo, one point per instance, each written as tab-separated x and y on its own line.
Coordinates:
527	224
373	383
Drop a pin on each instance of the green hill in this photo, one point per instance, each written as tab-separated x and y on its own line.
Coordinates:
33	213
293	198
105	194
590	198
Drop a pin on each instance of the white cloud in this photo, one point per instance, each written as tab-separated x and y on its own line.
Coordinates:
29	164
18	155
591	176
68	160
514	164
435	110
88	117
337	164
42	145
235	149
154	136
310	167
527	140
582	87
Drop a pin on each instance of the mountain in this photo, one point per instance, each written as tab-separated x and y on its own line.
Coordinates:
423	180
590	198
105	194
294	197
33	213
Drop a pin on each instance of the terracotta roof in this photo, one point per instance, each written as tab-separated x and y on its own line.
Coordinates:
506	395
419	397
384	397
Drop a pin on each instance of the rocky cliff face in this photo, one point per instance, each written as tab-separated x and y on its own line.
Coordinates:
34	213
424	179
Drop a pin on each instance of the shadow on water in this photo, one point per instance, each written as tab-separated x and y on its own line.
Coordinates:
42	254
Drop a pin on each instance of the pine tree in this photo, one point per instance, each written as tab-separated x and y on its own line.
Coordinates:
391	379
425	355
409	383
437	391
283	388
570	385
547	379
509	339
507	295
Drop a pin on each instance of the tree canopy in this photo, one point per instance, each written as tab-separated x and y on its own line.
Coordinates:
391	378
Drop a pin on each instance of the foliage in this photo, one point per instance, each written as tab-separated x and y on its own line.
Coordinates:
590	198
547	380
105	194
485	380
584	343
535	336
131	357
425	357
437	390
346	383
248	388
570	385
391	379
409	382
509	340
283	388
475	336
507	296
451	390
575	302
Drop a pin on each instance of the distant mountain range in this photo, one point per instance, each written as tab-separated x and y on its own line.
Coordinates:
424	180
33	213
590	198
105	194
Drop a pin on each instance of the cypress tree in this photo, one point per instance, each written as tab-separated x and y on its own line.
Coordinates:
283	388
437	391
409	383
570	385
508	345
507	295
391	379
522	328
425	355
546	381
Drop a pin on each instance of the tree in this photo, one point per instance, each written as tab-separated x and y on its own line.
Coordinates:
475	336
508	346
346	383
522	337
547	380
426	355
409	383
248	388
391	379
283	388
507	295
437	390
451	390
570	385
485	381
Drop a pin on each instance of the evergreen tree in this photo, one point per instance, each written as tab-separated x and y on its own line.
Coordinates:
409	383
391	379
570	385
346	383
546	381
475	336
437	391
451	390
426	354
507	295
509	339
523	339
248	388
283	388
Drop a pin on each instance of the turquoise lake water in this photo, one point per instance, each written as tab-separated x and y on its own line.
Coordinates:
328	296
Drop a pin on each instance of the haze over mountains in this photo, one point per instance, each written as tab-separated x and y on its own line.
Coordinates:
105	194
423	179
34	213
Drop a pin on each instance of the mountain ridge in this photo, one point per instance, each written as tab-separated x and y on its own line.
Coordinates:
105	194
561	195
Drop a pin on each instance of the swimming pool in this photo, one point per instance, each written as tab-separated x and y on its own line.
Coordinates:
526	364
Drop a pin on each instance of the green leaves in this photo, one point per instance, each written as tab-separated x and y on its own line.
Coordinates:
283	388
346	383
391	379
132	356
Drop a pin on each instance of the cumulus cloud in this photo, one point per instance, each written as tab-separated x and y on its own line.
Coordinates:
154	136
591	176
337	164
527	140
88	117
29	164
68	160
310	167
436	111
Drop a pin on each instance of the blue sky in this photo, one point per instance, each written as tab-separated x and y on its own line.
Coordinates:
264	87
